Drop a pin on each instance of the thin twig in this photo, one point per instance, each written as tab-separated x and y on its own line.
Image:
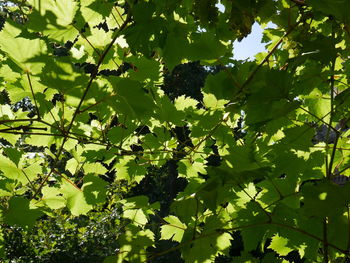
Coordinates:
67	180
320	119
330	164
42	183
115	19
18	120
96	103
87	40
23	128
121	17
30	182
211	132
40	133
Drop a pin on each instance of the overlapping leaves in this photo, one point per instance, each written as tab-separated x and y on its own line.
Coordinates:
101	118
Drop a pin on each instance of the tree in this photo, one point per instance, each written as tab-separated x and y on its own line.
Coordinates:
97	116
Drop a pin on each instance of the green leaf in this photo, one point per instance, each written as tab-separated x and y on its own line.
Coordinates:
147	32
188	169
298	137
20	213
252	237
72	165
94	12
137	216
175	49
147	95
270	97
52	197
211	102
104	8
184	208
9	169
168	112
62	76
118	134
323	199
210	244
206	46
92	168
129	95
13	154
220	85
135	241
279	244
340	10
128	170
7	187
94	189
173	230
183	102
144	69
76	201
54	18
23	52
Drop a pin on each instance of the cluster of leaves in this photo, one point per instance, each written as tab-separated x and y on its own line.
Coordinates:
64	239
102	80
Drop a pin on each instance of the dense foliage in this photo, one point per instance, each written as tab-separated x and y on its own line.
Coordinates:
129	134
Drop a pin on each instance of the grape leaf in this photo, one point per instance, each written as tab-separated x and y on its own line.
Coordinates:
52	197
76	201
279	244
20	213
60	15
173	230
22	51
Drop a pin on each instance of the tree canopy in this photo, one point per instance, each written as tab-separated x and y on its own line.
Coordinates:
136	109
